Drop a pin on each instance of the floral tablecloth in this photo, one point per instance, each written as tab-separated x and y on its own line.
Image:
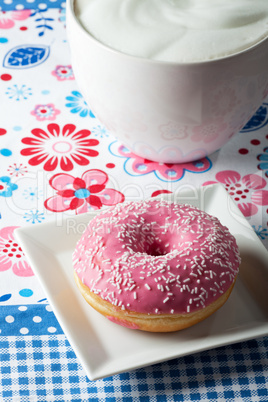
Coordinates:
51	148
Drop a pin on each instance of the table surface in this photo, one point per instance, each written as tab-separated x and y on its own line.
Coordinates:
39	97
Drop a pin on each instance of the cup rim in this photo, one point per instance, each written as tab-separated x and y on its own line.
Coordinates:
223	59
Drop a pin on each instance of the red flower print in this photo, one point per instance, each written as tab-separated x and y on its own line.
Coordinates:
159	192
17	169
63	73
78	194
45	112
58	146
240	189
138	166
11	255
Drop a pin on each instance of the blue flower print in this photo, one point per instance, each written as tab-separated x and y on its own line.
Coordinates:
77	104
18	92
32	193
261	232
264	161
99	131
6	187
34	216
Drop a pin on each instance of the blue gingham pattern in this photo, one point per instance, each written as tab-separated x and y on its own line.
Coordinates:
45	368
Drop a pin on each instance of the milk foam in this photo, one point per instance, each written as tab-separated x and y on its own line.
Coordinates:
175	30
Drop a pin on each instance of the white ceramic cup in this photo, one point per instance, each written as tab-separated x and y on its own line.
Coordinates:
168	112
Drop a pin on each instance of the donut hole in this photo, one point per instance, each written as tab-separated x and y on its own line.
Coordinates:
153	249
145	239
156	250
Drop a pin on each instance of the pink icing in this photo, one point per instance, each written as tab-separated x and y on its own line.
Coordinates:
123	323
156	257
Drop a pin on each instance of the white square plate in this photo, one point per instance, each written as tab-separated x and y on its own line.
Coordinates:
105	348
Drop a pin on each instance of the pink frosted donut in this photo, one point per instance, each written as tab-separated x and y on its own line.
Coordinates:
155	265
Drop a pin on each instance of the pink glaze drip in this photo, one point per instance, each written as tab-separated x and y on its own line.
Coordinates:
156	257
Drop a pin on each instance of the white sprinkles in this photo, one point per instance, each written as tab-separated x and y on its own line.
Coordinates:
179	256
